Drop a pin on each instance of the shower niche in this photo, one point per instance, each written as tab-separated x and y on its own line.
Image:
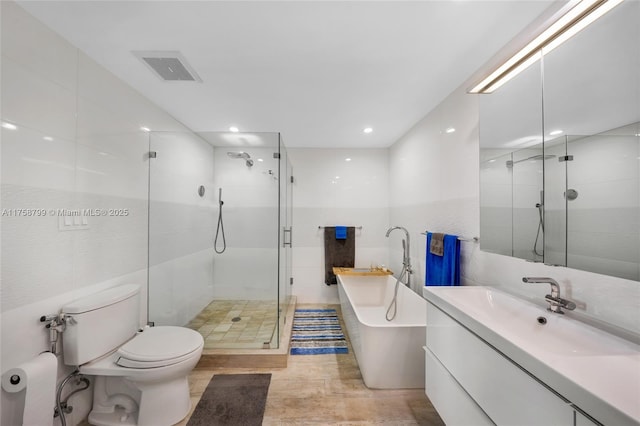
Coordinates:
218	207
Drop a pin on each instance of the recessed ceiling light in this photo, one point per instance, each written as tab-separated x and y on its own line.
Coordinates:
145	129
234	129
450	130
9	126
555	133
48	138
260	160
492	161
347	159
337	177
368	130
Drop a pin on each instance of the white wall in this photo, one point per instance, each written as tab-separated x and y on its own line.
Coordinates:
434	185
248	269
94	157
330	191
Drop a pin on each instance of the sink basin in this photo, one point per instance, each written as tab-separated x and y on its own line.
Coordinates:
588	366
533	328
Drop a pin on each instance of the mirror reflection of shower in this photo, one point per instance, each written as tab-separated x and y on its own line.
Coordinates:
242	155
539	205
510	163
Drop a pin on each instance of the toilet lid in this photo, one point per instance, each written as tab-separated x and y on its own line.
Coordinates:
157	346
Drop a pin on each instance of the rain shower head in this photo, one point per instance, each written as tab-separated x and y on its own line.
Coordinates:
510	163
243	155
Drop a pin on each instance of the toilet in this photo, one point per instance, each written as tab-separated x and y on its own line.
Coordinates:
140	374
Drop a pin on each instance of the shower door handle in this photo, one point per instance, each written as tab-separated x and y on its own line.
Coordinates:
284	237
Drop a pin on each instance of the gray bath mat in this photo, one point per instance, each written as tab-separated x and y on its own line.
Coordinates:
232	399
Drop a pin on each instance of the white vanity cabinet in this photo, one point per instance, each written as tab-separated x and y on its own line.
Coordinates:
492	358
505	393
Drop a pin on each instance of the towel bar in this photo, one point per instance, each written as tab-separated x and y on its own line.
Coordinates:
474	239
357	227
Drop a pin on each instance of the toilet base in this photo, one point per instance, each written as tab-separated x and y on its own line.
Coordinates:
158	403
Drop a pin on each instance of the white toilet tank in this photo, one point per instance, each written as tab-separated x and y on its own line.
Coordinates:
99	323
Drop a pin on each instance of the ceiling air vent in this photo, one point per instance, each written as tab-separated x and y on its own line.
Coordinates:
168	65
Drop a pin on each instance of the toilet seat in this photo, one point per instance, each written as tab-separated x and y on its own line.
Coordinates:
158	347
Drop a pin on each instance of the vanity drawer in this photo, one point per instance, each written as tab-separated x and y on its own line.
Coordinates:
505	392
453	404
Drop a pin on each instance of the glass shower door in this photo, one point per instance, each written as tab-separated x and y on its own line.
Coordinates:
214	244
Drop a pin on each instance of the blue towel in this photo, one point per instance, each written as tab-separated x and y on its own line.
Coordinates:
443	270
341	232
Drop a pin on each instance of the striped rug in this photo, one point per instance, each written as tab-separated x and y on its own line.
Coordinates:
316	332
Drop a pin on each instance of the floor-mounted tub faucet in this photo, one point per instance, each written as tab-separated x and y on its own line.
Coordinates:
556	303
406	257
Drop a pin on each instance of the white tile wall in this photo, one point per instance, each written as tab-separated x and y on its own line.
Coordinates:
330	191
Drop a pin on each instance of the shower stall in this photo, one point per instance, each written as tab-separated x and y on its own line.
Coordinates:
220	236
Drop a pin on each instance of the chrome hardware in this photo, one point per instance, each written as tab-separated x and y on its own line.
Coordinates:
556	303
284	235
406	256
56	324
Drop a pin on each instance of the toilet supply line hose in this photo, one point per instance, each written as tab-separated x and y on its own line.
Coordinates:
220	228
62	407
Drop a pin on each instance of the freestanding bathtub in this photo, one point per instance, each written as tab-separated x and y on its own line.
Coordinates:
389	353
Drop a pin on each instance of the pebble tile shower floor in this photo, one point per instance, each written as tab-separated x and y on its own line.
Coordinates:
236	324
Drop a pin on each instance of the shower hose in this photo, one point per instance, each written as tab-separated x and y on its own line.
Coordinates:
540	227
220	228
393	306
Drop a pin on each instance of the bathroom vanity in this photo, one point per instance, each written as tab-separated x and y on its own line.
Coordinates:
492	358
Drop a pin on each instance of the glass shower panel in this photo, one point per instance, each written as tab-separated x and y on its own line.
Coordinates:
213	239
181	223
286	237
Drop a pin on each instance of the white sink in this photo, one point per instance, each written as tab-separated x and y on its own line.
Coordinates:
592	368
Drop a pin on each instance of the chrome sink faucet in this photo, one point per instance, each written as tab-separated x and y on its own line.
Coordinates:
556	303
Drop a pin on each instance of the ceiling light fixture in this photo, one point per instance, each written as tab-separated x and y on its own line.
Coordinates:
9	126
48	138
145	129
368	130
556	132
579	17
450	130
234	129
347	159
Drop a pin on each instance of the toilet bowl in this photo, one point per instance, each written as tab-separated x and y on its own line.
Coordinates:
140	374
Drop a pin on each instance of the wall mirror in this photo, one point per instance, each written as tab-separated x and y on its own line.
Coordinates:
560	153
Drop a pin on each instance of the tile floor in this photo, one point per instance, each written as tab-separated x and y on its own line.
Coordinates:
327	390
257	320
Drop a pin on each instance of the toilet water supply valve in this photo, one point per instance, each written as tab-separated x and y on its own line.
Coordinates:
56	323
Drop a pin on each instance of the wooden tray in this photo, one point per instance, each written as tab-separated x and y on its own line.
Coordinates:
361	271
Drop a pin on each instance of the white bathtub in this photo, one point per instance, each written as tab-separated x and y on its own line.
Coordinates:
389	353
